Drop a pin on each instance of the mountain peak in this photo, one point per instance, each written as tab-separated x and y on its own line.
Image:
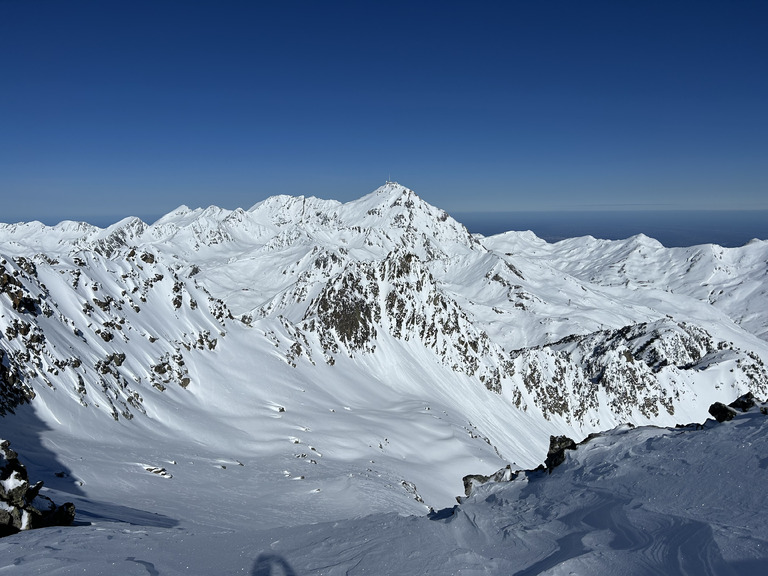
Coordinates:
390	193
392	188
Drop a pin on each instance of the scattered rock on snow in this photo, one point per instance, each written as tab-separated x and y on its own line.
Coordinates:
160	471
410	487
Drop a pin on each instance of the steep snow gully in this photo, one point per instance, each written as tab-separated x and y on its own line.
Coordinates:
301	388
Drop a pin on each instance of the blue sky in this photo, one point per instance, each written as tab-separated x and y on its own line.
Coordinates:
115	108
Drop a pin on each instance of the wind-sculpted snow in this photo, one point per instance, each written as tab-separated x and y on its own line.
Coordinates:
631	501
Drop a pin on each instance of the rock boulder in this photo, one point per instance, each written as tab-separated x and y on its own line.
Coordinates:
21	505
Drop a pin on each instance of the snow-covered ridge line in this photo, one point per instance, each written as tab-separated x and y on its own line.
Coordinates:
376	338
326	266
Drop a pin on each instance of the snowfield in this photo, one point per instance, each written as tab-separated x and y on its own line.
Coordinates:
636	501
301	387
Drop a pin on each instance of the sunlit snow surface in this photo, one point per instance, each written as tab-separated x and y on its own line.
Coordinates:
271	462
632	501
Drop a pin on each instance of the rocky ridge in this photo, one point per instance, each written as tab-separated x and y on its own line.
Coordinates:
560	445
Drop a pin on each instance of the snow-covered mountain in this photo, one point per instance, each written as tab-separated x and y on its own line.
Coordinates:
324	360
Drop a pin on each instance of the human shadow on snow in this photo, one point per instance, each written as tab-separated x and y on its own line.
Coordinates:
272	565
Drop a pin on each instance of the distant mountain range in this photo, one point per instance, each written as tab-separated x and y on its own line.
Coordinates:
374	351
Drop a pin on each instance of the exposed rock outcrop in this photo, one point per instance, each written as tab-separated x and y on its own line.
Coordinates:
505	474
721	412
743	403
21	505
556	453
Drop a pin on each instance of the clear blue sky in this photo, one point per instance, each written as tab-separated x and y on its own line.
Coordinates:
111	108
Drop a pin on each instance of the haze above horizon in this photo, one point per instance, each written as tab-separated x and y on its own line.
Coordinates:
133	108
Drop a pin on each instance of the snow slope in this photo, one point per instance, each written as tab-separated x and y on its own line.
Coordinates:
220	372
631	501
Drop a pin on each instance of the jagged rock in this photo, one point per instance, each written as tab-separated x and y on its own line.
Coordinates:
576	374
505	474
556	453
721	412
555	456
744	402
21	505
13	391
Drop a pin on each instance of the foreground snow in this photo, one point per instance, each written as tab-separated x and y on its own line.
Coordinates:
631	501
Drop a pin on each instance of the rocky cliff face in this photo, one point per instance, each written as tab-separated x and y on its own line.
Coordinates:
648	367
399	296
